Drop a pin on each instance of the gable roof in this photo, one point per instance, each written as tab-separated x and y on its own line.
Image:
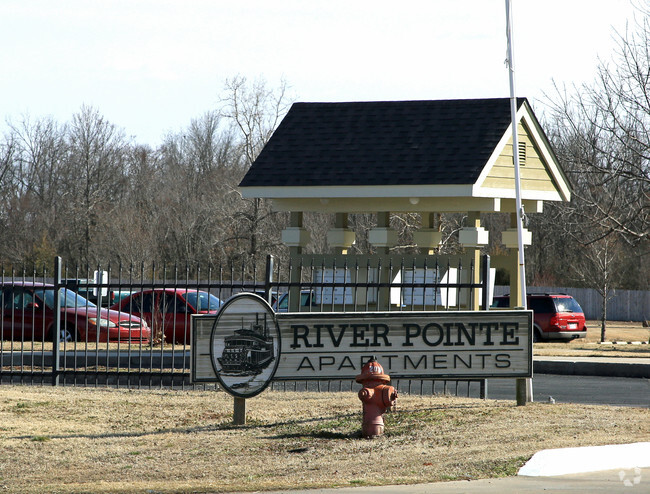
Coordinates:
389	149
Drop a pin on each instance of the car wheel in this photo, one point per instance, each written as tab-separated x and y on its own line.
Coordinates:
536	337
68	334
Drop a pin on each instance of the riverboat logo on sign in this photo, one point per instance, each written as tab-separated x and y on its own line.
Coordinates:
407	344
245	345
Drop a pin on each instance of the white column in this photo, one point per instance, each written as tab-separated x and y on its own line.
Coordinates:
382	236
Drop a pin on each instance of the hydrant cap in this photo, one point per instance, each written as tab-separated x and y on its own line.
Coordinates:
372	370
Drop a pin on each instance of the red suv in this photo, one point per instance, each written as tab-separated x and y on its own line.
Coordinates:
555	316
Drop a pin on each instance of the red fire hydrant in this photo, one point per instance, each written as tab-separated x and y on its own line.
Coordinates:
376	397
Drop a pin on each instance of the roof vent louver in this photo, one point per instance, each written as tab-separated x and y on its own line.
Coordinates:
522	153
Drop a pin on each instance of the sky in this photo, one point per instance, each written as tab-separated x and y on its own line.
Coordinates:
151	66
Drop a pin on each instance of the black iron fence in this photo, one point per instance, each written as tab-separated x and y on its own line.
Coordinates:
130	326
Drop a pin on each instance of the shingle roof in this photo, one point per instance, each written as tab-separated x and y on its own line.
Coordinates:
382	143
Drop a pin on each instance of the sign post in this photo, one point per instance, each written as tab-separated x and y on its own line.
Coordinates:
239	413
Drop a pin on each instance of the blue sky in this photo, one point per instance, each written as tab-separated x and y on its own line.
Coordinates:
150	66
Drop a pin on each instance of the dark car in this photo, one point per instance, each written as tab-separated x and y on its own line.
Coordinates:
307	302
28	313
555	316
168	310
90	290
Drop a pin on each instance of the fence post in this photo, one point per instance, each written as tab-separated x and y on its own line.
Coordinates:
268	279
486	282
56	340
483	389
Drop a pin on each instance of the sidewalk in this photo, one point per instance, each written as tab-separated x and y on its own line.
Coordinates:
564	470
606	482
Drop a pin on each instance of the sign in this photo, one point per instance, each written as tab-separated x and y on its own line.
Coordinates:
445	297
433	345
245	345
331	295
408	345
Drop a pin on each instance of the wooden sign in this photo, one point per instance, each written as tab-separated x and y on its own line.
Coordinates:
244	345
435	345
450	344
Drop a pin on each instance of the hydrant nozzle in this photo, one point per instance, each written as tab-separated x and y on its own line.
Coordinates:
376	397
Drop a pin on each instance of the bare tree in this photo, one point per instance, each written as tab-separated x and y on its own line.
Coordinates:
132	235
606	127
255	111
95	176
31	176
601	134
7	156
599	266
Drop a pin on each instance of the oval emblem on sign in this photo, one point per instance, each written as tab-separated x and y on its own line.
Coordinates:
245	345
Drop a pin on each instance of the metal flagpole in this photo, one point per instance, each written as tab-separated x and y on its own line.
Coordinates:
524	388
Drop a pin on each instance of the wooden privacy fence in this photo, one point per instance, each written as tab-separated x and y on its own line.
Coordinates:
624	305
38	348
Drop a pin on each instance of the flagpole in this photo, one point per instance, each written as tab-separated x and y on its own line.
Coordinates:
515	148
524	387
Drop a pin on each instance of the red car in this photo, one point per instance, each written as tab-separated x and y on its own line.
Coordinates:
28	314
555	316
168	310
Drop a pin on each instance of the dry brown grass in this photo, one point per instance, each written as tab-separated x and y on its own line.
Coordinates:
100	440
618	331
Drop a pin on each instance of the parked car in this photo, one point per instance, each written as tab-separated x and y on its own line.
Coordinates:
94	289
168	310
555	316
274	296
307	300
28	312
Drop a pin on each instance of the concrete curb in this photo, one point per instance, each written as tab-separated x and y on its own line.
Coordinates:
592	367
605	343
572	366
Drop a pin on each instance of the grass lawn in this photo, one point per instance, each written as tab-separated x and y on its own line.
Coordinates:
77	440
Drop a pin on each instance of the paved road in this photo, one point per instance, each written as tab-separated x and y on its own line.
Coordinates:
595	390
567	380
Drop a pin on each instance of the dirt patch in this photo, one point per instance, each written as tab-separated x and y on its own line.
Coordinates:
102	440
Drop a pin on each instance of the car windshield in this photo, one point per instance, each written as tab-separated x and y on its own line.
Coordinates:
68	298
305	301
567	305
202	301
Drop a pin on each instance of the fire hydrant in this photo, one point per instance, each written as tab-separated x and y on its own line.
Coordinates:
376	396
